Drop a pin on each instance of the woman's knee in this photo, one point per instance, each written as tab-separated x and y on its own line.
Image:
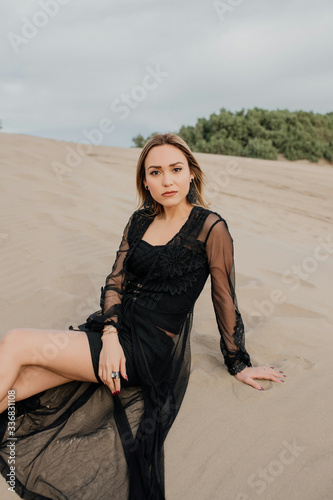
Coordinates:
19	344
12	339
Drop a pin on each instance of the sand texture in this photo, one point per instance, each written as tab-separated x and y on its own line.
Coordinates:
61	224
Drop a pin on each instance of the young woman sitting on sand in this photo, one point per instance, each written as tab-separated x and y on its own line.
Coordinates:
94	404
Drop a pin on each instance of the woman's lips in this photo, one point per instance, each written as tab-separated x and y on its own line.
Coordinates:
169	194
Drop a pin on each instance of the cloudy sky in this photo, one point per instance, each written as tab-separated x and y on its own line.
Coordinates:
104	71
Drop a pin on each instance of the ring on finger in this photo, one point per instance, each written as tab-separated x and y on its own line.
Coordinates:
115	374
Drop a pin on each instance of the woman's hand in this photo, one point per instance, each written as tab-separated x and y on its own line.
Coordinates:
112	359
251	372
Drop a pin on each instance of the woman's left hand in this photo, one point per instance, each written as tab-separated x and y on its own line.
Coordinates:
263	372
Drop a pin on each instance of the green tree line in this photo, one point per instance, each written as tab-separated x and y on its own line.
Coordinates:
259	133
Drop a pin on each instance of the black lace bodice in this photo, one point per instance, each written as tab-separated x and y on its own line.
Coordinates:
167	279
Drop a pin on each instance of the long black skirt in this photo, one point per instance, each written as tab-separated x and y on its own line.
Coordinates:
77	441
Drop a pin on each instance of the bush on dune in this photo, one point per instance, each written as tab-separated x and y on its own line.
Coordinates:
259	133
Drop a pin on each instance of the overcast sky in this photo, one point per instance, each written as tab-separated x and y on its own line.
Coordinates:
104	71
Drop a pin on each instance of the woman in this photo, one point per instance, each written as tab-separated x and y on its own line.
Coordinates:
96	403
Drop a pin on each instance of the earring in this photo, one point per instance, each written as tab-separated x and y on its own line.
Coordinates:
148	204
192	195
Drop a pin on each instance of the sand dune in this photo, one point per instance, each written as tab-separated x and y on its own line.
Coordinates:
63	214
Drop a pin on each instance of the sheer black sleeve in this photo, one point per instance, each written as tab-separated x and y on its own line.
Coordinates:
220	253
112	292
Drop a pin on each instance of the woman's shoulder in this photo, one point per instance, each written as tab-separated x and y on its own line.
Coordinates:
137	214
212	217
140	215
215	226
137	221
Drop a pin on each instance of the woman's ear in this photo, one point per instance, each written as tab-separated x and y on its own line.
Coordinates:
191	175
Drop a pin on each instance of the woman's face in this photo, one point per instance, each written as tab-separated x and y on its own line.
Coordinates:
167	170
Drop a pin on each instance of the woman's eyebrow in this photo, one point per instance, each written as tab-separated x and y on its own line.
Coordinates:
159	166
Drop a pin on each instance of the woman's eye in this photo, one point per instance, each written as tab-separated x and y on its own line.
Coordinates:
157	171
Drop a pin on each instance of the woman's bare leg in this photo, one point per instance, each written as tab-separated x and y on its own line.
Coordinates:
31	381
66	353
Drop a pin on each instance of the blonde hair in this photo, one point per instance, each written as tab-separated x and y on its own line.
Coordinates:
198	182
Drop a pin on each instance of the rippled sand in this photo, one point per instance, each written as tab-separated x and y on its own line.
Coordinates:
64	216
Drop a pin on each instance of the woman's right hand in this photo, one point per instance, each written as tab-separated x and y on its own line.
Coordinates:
112	359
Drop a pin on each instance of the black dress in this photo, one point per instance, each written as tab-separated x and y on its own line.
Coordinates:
77	441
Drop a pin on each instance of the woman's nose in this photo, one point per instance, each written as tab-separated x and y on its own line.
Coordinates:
167	180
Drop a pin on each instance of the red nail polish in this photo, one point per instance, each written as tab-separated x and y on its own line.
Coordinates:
113	394
261	388
284	375
117	392
272	367
126	378
281	380
280	371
